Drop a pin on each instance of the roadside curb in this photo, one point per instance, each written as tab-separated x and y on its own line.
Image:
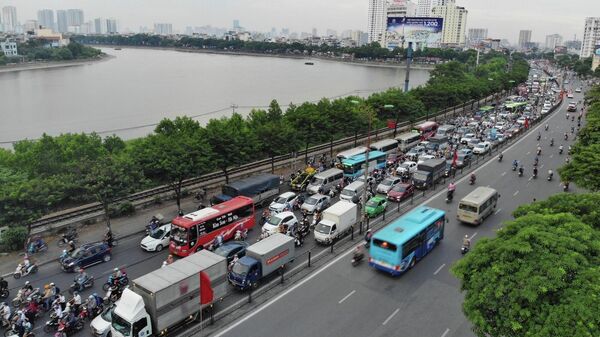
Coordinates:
43	263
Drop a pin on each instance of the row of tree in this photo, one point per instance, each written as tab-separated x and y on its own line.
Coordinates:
34	50
40	176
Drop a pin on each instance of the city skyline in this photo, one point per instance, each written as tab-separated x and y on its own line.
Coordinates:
551	17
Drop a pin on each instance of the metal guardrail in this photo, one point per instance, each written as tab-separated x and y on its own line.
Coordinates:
281	160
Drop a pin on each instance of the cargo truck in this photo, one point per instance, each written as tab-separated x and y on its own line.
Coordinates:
429	172
336	221
261	188
170	296
262	259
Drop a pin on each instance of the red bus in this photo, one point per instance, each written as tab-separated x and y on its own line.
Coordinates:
426	129
195	231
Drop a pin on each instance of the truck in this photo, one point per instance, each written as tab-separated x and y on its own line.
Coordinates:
171	296
262	259
260	188
429	172
337	220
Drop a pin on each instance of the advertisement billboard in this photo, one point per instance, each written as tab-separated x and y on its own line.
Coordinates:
421	31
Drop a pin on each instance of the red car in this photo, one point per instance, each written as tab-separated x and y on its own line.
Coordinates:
401	192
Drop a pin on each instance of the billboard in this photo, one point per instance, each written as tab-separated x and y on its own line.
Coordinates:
421	31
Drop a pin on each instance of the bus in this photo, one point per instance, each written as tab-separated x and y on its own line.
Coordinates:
426	129
398	246
354	167
407	141
477	205
389	146
351	153
196	231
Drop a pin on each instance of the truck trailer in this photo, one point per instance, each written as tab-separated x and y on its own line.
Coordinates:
170	296
337	220
429	172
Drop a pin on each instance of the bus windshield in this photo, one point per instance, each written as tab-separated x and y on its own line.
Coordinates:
179	235
467	208
349	169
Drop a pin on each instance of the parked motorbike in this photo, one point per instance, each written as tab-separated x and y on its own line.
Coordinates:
71	235
22	272
76	286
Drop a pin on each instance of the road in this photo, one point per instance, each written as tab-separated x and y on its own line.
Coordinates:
339	300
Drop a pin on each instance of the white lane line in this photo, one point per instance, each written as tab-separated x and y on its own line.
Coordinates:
445	333
503	173
472	236
514	194
346	297
551	155
498	211
390	316
528	153
541	167
530	178
438	270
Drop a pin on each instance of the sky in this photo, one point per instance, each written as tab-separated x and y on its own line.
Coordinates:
503	18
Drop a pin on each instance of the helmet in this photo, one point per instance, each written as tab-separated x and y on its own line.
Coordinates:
91	297
19	312
116	270
64	251
75	293
28	299
71	242
95	294
52	284
466	236
26	283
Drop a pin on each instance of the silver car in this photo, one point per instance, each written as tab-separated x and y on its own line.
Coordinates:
314	203
387	184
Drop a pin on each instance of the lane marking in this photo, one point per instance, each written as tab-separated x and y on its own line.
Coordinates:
528	153
472	236
445	332
503	173
551	155
438	270
346	297
498	211
530	178
541	167
514	194
390	316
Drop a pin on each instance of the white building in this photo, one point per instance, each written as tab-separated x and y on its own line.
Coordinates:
359	37
163	28
591	35
46	18
455	23
61	21
9	19
100	26
377	20
9	48
424	8
75	17
476	35
553	41
524	38
398	8
111	26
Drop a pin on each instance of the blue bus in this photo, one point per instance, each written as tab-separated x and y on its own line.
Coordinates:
354	166
399	245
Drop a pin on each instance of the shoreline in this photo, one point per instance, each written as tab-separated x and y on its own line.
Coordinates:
298	57
52	64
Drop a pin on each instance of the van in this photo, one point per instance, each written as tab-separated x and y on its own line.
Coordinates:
337	220
325	180
477	205
445	130
353	192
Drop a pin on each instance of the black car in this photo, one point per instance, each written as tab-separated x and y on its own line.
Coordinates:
230	249
87	255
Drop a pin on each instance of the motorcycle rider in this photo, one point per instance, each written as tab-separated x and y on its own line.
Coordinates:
535	171
368	236
546	127
76	301
539	136
550	174
500	156
47	297
536	161
515	164
560	148
81	278
5	313
27	289
552	142
521	169
358	253
539	150
72	247
108	237
566	136
451	189
3	284
472	178
31	309
466	242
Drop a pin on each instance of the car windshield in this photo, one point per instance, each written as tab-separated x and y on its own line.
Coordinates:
179	235
107	314
399	188
280	200
316	181
274	220
371	203
323	229
387	182
240	269
158	234
311	201
121	325
404	166
481	146
348	192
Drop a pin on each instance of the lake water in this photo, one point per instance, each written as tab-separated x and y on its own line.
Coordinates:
128	94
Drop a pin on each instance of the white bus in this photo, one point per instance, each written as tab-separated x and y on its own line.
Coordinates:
351	153
389	146
477	205
408	140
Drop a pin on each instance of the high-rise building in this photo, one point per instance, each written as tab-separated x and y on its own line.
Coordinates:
236	24
553	41
9	18
476	35
454	25
46	18
424	8
163	28
100	26
377	20
75	17
398	8
591	36
61	21
524	38
111	26
314	32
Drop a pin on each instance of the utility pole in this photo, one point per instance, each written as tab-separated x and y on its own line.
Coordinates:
409	56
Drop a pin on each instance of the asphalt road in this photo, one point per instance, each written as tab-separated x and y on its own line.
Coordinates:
339	300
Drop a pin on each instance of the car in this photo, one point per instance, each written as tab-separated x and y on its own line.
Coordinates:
521	120
286	219
569	95
462	160
415	152
566	82
370	179
501	125
400	192
387	184
407	167
425	157
158	240
578	90
473	142
100	325
87	255
376	206
391	159
466	152
572	108
230	249
482	148
466	138
285	201
315	203
545	111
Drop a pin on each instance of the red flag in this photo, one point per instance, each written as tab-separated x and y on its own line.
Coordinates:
455	158
526	123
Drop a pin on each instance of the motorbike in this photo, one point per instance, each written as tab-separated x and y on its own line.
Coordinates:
560	151
357	258
514	167
546	127
535	174
566	137
539	136
472	180
21	298
122	282
154	223
550	177
464	249
551	142
520	172
66	237
500	157
76	286
4	293
240	235
113	294
539	152
449	196
37	246
52	324
22	272
565	187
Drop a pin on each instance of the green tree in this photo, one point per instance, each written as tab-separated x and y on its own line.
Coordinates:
307	121
539	277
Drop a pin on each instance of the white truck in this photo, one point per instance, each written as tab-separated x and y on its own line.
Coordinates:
337	220
170	296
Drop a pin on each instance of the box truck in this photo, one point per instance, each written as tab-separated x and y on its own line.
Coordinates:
336	221
429	172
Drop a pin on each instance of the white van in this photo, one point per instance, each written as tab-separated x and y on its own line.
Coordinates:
352	191
407	141
477	205
389	146
324	181
351	153
445	130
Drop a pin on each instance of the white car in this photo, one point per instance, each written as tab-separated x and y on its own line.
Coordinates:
545	111
425	157
500	126
521	120
315	203
387	184
286	201
570	95
287	219
407	167
482	148
100	325
158	240
467	137
578	90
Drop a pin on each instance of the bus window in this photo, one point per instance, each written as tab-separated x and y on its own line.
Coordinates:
467	208
385	245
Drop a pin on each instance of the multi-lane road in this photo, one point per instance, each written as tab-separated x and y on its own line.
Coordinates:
339	300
